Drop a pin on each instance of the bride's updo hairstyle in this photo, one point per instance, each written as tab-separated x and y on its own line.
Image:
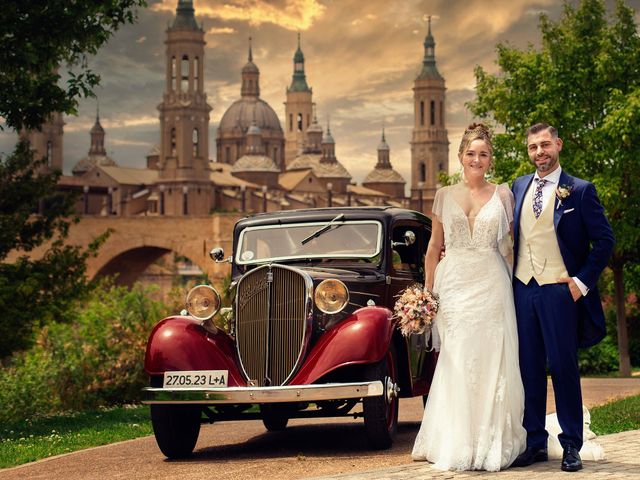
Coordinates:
475	131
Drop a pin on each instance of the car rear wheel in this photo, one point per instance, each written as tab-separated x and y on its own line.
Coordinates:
176	428
274	417
381	413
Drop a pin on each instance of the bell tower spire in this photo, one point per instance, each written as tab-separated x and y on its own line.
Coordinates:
298	108
184	116
250	77
429	142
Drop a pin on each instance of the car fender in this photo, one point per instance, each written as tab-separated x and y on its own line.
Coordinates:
361	338
180	343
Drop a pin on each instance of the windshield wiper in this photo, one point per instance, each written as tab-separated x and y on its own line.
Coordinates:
320	231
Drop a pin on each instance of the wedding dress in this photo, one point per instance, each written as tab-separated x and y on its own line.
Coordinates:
473	415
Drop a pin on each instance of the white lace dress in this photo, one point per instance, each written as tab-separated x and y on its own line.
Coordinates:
473	415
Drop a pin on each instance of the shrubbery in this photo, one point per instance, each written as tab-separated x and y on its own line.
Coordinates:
600	359
93	361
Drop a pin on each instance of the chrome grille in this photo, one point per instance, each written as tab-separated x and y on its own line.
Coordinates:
272	322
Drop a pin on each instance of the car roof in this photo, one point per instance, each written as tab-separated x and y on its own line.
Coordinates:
383	214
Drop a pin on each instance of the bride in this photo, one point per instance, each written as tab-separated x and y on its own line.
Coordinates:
473	415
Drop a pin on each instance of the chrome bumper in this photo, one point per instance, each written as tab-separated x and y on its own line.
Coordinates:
288	393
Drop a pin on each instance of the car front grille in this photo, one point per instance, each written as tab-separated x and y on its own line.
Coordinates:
273	315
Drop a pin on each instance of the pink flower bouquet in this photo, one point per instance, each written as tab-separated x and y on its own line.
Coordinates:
415	309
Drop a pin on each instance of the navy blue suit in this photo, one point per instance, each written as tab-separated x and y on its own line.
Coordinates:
551	326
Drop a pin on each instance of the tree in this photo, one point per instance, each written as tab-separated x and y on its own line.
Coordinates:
39	39
584	80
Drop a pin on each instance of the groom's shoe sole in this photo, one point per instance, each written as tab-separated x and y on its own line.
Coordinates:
529	457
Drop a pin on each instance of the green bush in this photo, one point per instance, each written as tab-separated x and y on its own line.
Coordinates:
95	360
599	359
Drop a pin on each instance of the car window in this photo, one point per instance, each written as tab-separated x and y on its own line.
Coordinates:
352	239
408	258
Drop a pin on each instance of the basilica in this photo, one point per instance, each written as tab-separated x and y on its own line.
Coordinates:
263	163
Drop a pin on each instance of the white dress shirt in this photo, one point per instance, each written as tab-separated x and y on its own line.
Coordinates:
548	195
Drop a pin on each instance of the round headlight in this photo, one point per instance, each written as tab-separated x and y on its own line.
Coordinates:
203	302
331	296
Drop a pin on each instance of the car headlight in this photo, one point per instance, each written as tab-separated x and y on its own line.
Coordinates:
331	296
203	302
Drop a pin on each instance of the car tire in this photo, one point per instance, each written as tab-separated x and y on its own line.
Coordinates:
381	415
273	418
176	428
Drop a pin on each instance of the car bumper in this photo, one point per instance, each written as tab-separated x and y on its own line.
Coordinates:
287	393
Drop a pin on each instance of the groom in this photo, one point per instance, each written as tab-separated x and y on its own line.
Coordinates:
563	241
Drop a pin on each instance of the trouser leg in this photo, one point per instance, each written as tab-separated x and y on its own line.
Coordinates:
559	316
532	363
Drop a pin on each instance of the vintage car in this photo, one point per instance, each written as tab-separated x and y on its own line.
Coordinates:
311	332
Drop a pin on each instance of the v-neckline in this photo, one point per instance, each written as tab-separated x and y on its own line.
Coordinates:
469	229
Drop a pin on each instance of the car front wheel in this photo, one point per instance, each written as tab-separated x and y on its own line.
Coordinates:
274	417
381	413
176	428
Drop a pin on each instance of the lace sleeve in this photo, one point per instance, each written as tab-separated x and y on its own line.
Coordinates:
438	202
508	201
505	242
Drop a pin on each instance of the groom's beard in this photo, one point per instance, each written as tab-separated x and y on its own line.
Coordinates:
545	163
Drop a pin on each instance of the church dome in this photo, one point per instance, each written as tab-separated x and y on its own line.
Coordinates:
242	112
321	169
97	128
383	175
90	161
250	67
254	163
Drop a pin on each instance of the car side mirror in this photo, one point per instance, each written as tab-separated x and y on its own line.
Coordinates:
409	239
217	255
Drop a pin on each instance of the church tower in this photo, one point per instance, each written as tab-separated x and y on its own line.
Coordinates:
429	142
47	142
184	119
298	109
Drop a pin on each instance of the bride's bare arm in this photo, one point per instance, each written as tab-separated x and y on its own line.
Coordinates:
432	257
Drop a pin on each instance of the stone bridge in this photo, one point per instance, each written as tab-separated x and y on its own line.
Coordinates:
136	242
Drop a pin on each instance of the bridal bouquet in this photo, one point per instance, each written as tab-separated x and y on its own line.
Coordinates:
415	309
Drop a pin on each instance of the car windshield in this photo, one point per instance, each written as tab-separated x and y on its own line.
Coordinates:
360	240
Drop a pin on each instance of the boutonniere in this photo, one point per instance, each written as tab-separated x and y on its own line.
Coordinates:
562	193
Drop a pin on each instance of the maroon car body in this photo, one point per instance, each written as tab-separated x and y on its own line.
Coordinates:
311	332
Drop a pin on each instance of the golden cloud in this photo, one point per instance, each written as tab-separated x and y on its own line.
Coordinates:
296	15
220	31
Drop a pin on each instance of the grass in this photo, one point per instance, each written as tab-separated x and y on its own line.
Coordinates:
618	416
44	437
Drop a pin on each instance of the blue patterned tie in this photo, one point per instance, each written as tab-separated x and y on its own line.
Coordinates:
537	196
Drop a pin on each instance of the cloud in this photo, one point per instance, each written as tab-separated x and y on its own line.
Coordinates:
220	30
296	15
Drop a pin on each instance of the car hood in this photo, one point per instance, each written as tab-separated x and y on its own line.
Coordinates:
345	274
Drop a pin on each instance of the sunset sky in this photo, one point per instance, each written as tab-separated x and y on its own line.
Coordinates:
361	60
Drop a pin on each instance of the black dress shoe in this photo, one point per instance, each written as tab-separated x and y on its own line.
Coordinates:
529	456
571	461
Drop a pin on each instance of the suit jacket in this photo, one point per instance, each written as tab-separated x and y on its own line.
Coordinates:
586	242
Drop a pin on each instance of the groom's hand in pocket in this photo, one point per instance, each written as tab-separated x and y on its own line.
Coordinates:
576	294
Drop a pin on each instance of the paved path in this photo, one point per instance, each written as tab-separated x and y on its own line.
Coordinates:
622	462
622	450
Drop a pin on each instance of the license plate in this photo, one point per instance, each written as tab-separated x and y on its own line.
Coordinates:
196	379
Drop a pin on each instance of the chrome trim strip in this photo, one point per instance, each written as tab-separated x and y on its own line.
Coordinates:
239	395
